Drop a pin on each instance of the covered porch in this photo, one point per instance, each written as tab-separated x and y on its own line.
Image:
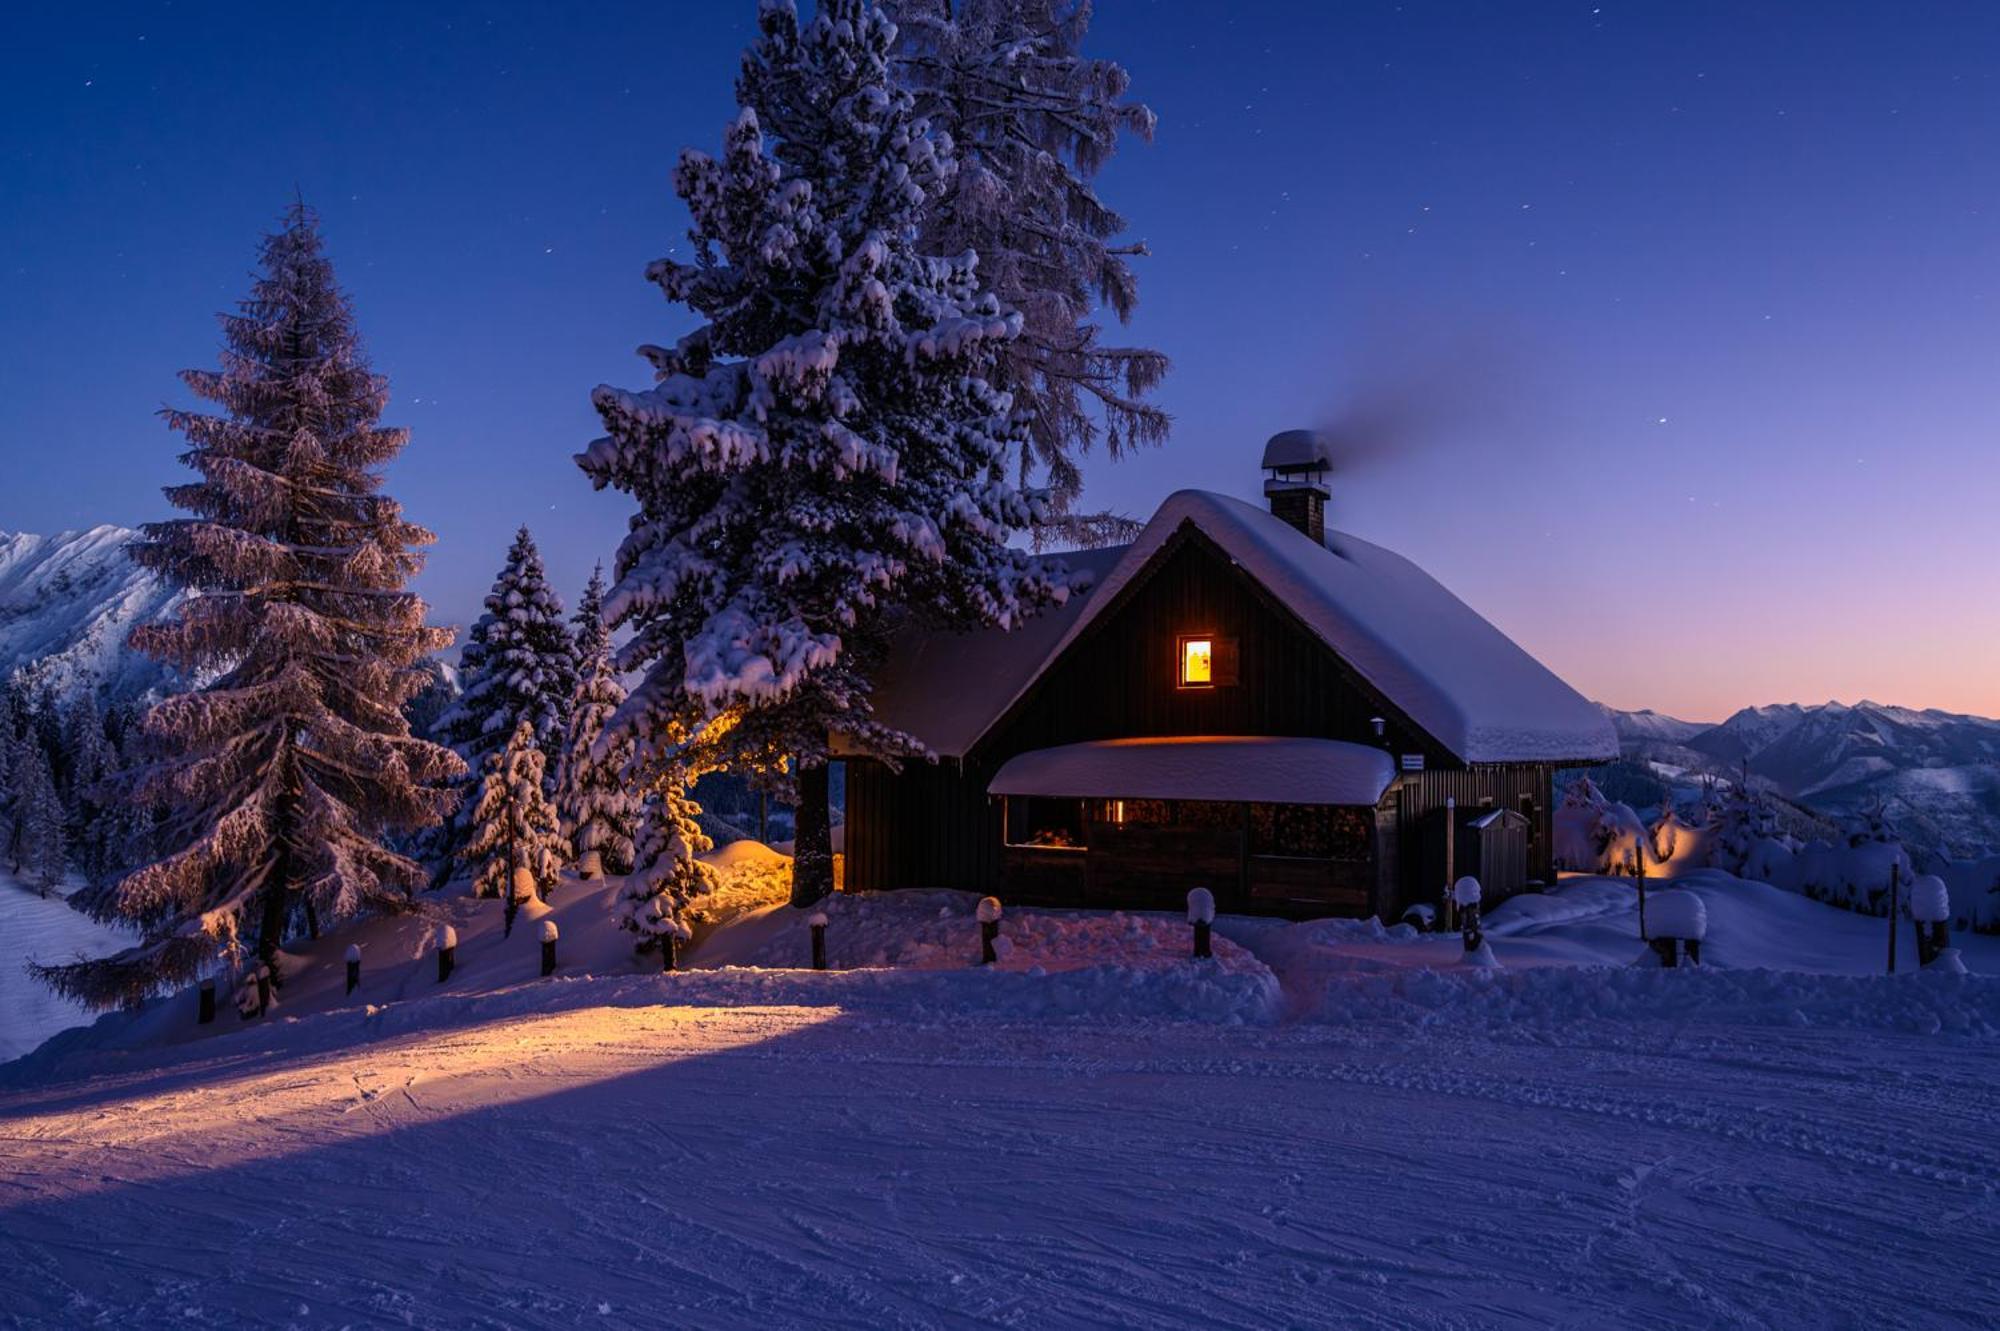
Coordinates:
1269	824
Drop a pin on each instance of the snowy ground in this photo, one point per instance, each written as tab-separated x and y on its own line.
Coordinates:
32	925
1398	1142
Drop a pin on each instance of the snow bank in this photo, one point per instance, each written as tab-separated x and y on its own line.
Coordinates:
1134	964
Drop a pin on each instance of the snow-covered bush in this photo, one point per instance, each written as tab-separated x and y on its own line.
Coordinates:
1975	894
1930	900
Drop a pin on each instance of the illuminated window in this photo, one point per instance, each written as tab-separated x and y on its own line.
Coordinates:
1197	662
1204	661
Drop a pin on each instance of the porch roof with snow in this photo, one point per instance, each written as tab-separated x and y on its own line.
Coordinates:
1252	769
1452	673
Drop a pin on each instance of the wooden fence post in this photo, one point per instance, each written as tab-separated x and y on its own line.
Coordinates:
1639	881
447	948
206	1011
549	935
353	967
818	923
989	929
1450	914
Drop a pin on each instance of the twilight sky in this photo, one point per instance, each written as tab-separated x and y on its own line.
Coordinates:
1677	323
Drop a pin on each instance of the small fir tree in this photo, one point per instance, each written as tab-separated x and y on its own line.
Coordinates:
670	873
516	847
519	664
282	777
825	452
600	812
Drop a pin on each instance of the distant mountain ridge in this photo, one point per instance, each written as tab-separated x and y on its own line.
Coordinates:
1935	773
68	603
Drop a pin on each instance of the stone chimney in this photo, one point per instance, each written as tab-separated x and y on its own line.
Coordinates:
1295	467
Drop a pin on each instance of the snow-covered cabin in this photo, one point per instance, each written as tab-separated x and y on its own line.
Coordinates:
1242	701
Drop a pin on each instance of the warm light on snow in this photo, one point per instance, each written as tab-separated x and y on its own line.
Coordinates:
311	1101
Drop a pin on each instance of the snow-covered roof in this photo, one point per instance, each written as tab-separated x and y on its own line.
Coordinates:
947	688
1463	681
1233	769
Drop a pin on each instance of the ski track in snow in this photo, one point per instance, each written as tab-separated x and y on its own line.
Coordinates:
777	1166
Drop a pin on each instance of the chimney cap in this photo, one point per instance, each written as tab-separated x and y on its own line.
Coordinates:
1298	450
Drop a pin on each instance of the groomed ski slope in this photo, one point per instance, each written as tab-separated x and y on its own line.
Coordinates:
1403	1143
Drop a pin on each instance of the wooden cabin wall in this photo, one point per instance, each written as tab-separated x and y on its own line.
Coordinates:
1119	679
931	825
1526	788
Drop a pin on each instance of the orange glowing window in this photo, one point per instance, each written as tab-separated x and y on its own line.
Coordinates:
1197	662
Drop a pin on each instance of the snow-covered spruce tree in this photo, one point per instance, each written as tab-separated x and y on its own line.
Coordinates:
516	847
519	664
825	451
600	811
669	873
40	851
1032	121
282	777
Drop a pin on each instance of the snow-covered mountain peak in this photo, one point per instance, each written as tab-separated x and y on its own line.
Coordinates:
67	604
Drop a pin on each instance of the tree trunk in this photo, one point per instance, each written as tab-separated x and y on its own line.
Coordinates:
812	837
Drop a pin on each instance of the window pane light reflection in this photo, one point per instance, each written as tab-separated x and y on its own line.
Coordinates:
1197	661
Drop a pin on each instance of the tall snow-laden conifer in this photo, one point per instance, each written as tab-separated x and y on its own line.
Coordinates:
1033	120
282	777
594	794
519	664
825	451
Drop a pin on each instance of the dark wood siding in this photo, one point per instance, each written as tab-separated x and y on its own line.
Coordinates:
931	825
1120	678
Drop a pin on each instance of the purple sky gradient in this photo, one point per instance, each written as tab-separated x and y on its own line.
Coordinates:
1675	323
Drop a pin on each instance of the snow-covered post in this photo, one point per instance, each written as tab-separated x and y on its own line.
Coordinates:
1930	910
989	929
818	923
549	935
1465	896
1680	922
1201	914
353	967
206	1011
1450	862
1895	892
447	946
1639	882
